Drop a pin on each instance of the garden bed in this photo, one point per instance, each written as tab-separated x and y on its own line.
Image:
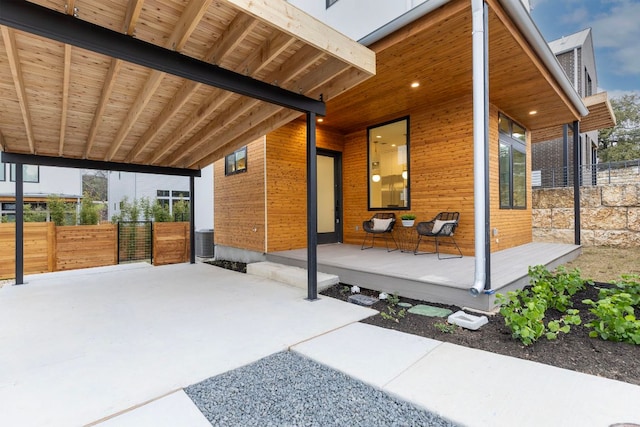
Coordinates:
575	350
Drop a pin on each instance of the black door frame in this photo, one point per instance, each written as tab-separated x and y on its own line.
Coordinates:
336	236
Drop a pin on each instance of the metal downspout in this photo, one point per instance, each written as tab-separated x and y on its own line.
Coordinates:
479	147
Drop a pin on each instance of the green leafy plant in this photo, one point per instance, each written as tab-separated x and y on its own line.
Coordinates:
556	288
407	216
89	211
445	327
345	290
523	314
629	284
392	312
615	318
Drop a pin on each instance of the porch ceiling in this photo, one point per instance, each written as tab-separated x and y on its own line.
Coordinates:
436	51
600	116
65	101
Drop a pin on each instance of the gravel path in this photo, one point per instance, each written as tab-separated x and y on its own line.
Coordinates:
286	389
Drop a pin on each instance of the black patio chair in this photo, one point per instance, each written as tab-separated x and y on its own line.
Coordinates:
381	224
442	226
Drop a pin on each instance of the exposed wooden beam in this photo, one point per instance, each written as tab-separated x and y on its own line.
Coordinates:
237	30
13	58
291	20
133	14
296	65
105	94
275	121
65	97
188	22
308	84
131	19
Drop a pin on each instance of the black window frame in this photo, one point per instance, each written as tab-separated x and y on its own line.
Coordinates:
231	164
408	170
512	144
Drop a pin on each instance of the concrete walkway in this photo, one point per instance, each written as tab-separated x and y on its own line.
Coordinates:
114	347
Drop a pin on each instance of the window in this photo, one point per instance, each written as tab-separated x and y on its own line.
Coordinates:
30	173
3	174
388	165
330	3
512	164
174	201
236	162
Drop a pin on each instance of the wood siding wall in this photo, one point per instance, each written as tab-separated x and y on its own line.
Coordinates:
287	183
441	179
39	238
239	202
171	243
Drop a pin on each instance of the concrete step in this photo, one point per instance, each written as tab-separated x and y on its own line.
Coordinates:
294	276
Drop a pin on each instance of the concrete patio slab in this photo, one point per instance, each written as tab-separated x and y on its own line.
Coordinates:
477	388
371	354
176	409
77	347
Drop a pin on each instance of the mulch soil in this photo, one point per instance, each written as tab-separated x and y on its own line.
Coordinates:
575	350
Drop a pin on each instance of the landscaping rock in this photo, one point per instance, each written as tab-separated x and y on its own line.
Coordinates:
360	299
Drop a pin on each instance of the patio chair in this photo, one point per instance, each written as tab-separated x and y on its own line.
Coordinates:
442	226
381	224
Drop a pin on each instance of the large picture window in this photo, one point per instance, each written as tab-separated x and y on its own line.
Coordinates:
512	164
30	173
388	165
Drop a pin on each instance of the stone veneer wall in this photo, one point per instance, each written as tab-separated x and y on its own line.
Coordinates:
609	215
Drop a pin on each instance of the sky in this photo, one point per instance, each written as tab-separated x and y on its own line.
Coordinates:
616	36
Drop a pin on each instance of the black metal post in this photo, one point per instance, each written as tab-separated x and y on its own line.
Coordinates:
19	224
312	209
576	181
192	219
487	199
565	155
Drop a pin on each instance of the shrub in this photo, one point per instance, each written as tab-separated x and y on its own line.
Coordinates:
615	318
89	211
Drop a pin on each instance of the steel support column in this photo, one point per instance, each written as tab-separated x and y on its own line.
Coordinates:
576	180
565	155
19	224
312	209
192	219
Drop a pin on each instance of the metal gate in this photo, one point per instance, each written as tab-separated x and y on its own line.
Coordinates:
135	241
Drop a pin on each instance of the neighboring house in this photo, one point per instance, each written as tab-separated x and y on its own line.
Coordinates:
404	140
40	182
552	160
166	189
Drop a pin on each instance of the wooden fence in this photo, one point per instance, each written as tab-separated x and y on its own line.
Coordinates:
49	248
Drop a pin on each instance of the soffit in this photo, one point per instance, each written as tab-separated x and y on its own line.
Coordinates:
601	116
436	50
64	101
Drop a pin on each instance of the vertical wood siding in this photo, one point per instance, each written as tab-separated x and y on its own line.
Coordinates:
239	203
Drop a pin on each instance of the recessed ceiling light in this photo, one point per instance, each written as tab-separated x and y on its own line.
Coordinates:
378	136
533	112
415	84
320	120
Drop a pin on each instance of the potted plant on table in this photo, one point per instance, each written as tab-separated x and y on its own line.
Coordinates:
408	219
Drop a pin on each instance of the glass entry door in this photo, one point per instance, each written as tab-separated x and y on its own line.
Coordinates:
329	196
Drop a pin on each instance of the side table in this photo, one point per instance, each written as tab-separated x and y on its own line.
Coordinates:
406	237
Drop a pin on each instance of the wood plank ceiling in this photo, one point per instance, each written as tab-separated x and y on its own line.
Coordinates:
61	100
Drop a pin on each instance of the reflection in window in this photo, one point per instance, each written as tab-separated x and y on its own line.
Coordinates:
388	165
512	165
236	162
30	173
